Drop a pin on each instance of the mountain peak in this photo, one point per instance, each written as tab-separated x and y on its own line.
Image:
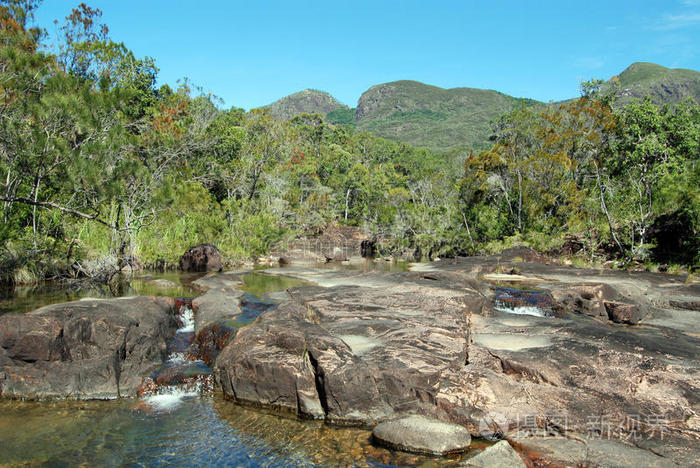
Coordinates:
664	85
307	101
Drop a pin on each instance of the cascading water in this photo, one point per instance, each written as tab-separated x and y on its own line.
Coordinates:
182	375
523	302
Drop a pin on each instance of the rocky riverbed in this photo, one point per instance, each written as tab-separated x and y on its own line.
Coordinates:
570	366
606	373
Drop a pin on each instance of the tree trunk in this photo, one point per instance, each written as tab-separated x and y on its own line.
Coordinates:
347	200
520	202
604	207
35	197
466	225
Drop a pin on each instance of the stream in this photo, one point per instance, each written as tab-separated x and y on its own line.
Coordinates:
184	424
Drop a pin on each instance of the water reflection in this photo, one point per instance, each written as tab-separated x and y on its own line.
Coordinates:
198	430
23	299
201	431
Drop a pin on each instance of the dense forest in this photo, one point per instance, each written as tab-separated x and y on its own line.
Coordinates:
100	165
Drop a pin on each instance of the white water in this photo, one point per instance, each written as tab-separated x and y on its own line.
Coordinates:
187	318
170	398
522	310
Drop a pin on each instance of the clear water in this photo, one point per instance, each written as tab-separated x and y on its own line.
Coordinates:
179	425
25	298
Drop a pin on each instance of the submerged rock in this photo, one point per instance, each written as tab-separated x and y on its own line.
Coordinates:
419	434
96	348
163	283
499	455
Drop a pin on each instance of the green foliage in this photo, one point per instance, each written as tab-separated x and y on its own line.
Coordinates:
343	116
97	162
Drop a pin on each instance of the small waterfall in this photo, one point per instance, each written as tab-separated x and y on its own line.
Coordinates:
183	375
523	302
187	319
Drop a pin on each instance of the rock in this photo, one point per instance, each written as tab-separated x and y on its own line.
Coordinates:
214	320
347	354
571	246
623	313
368	248
89	349
300	257
163	283
372	346
333	244
522	254
419	434
601	453
499	455
586	298
685	304
216	304
202	257
230	279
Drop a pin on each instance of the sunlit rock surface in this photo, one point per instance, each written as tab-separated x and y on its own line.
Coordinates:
373	346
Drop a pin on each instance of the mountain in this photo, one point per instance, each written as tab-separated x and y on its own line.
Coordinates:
308	101
664	85
432	117
460	118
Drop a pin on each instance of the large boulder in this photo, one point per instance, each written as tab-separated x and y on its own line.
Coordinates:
202	257
347	354
89	349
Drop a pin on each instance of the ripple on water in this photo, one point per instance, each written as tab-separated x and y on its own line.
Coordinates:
198	431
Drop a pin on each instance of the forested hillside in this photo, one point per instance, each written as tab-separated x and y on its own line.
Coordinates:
98	164
459	119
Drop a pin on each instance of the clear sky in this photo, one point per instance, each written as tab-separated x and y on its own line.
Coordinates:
253	52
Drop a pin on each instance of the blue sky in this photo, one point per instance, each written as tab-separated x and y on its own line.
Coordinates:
251	53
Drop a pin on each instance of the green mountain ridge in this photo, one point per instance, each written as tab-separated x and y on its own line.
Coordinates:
432	117
663	85
458	119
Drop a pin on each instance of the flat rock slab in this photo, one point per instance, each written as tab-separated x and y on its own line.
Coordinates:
374	346
499	455
420	434
219	280
601	453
